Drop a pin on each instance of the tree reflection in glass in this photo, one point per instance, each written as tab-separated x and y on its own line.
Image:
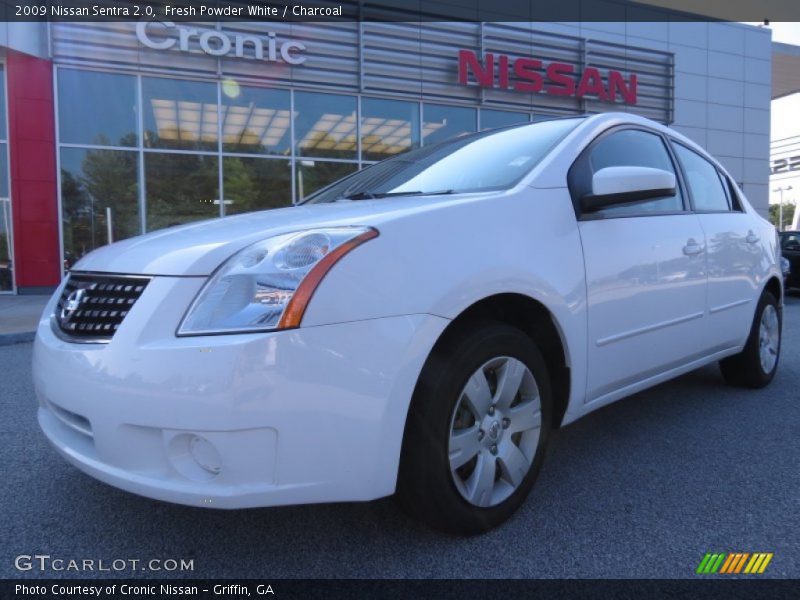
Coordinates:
256	184
180	188
96	184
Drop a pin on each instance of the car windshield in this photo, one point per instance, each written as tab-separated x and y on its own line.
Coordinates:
489	160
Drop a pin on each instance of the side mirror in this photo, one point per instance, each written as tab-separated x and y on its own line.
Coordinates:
622	185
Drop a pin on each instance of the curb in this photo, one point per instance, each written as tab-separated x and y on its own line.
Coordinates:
7	339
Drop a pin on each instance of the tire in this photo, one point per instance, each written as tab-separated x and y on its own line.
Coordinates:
462	499
746	369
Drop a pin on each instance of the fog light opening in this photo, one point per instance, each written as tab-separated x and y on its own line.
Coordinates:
194	457
204	454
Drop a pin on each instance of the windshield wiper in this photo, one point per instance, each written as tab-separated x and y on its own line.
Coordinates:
358	196
374	195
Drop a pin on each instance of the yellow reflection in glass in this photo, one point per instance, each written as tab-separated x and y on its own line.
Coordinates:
231	88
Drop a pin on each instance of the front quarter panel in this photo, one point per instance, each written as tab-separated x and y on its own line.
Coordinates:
443	260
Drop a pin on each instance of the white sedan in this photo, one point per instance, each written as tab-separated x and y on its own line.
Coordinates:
420	327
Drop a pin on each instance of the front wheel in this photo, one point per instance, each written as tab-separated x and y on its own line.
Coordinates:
477	429
756	364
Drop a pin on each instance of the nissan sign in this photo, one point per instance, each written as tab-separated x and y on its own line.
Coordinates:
218	43
555	78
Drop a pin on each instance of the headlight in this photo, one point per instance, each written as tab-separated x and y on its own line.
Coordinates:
269	284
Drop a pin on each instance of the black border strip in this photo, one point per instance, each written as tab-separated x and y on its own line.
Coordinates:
397	10
289	589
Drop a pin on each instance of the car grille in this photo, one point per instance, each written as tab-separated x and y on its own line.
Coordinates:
92	307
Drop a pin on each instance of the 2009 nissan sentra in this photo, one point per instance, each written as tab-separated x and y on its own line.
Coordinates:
421	326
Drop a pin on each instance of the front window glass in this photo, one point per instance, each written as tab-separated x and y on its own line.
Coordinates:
703	180
255	120
180	188
99	199
179	114
634	148
256	184
325	125
491	160
388	127
96	108
444	122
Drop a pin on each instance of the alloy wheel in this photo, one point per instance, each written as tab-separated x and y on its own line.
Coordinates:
494	431
769	334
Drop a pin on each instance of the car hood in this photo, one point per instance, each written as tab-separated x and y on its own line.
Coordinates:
197	249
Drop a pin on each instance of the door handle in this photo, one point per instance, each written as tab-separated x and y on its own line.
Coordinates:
752	238
692	248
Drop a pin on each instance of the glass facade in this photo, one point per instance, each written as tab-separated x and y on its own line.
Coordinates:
99	199
179	114
6	241
79	96
180	188
388	127
255	183
255	120
490	119
140	152
315	174
442	122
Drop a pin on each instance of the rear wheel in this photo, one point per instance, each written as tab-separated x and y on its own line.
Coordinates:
756	364
477	429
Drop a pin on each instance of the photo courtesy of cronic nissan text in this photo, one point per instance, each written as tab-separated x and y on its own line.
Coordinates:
306	299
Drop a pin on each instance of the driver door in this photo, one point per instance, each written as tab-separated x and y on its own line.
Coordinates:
645	271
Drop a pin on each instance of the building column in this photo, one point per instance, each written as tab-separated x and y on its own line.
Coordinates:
32	152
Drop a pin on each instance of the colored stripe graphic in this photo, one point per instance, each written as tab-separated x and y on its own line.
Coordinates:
717	564
741	562
703	563
766	562
733	562
758	563
711	563
752	562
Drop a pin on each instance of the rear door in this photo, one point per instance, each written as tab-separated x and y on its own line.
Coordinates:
645	270
733	250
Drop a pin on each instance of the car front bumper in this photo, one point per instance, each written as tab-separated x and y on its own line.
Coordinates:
314	414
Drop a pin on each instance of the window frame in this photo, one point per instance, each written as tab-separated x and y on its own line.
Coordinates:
736	204
580	164
4	147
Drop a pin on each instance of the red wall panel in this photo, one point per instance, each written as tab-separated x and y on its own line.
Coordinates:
32	150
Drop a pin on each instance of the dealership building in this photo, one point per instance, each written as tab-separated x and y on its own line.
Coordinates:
110	130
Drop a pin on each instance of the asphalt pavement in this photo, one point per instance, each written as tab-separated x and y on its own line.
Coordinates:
642	488
19	316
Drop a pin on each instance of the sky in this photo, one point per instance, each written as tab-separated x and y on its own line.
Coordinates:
784	110
786	33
